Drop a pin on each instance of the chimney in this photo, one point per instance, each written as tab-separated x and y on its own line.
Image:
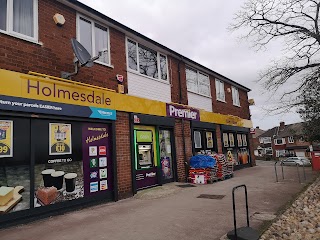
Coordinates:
282	126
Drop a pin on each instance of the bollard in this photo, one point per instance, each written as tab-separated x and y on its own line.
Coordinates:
298	172
304	172
281	163
275	170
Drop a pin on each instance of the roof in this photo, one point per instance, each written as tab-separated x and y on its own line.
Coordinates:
75	3
258	132
295	129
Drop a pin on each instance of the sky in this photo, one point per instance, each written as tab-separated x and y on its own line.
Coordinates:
200	32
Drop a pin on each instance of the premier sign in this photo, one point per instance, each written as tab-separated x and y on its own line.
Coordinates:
178	111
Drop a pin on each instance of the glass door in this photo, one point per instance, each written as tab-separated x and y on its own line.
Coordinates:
166	156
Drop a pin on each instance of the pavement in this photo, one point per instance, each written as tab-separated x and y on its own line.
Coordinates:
170	212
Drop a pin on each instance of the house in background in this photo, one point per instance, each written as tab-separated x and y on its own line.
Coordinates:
256	142
284	141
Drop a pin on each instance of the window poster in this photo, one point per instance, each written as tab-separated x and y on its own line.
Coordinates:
14	165
165	154
239	139
58	170
244	140
97	153
231	139
60	139
225	140
6	138
209	139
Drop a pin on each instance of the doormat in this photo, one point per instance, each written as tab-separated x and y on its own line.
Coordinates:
186	185
211	196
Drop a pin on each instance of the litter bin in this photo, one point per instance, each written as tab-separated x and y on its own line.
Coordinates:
315	161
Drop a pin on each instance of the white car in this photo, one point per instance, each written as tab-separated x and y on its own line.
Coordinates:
296	160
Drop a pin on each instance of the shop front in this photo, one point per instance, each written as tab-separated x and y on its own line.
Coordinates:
153	151
235	145
53	156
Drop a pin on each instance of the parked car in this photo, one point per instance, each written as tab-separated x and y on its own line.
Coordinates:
296	160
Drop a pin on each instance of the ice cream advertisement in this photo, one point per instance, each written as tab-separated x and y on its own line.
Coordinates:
60	139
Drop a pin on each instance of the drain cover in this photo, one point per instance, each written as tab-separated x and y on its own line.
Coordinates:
186	185
211	196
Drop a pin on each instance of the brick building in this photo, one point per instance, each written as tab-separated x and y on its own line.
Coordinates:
284	141
84	139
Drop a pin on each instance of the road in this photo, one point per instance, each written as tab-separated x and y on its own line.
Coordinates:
170	212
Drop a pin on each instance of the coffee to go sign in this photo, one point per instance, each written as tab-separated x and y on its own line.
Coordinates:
178	111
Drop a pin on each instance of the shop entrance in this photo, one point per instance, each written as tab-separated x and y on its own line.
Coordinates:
166	156
53	162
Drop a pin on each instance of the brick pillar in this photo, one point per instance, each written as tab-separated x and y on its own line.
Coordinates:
123	155
180	155
251	147
219	140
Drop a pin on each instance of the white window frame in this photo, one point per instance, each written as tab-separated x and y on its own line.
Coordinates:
283	141
235	96
198	73
280	153
138	68
9	23
291	139
220	83
93	22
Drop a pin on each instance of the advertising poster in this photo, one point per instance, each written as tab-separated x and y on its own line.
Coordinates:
6	138
165	154
96	150
60	139
209	139
58	171
14	166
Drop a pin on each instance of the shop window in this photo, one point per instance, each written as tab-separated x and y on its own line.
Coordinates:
291	139
235	96
19	18
225	140
244	140
280	153
146	61
197	139
94	37
220	91
197	82
239	140
231	139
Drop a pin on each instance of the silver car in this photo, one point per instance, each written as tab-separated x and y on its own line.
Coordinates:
296	160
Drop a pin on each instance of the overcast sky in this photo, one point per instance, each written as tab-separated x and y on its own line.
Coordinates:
198	30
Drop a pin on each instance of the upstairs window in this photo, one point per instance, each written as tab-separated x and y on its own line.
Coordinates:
19	18
280	141
94	37
291	139
146	61
197	82
235	96
220	91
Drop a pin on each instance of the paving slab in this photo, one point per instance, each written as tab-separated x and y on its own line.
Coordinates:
170	212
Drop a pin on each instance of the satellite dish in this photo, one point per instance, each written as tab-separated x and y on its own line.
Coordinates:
83	58
81	53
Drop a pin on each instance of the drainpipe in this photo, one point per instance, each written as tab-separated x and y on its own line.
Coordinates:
182	121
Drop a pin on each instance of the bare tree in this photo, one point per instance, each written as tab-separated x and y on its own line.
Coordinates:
296	23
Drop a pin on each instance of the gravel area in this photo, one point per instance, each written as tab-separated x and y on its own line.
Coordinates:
301	221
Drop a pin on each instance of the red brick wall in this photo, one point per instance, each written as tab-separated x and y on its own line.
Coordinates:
123	155
174	76
219	139
228	107
179	147
251	148
55	54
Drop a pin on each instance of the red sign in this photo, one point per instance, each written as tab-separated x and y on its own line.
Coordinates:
136	119
252	130
102	150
